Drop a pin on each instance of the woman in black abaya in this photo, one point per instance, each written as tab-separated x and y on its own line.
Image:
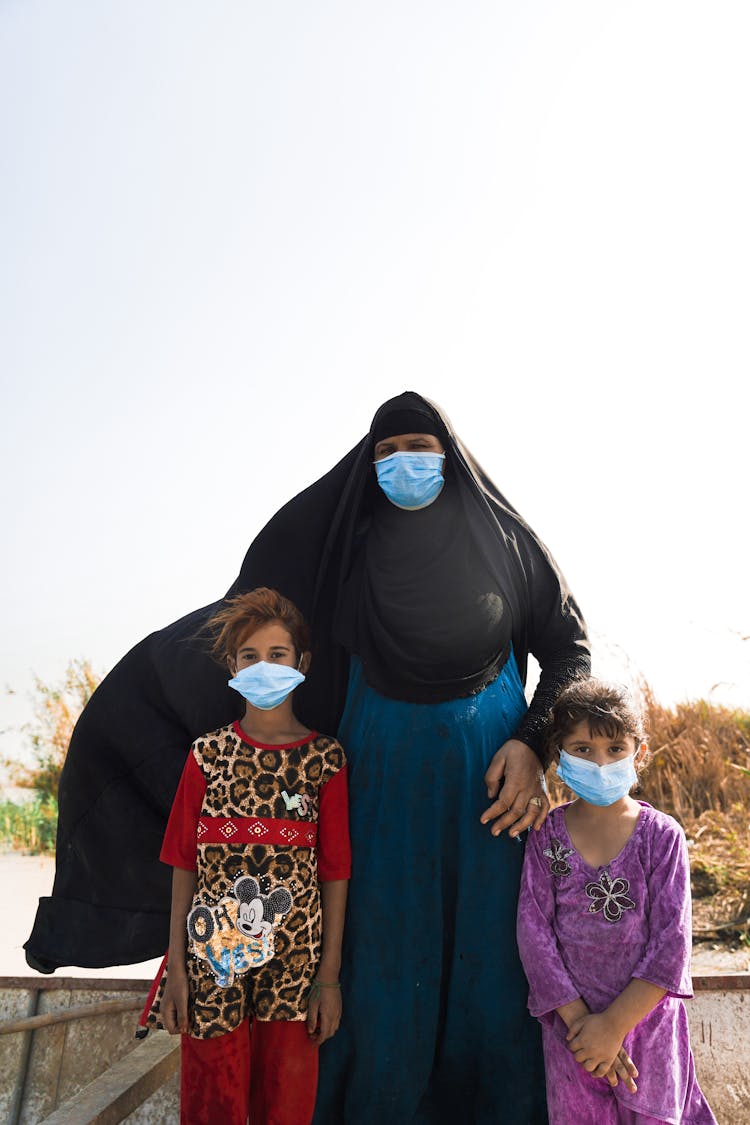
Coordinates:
423	617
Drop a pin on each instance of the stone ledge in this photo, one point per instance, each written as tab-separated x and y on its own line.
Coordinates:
125	1086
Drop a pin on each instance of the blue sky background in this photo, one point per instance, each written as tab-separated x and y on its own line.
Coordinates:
229	232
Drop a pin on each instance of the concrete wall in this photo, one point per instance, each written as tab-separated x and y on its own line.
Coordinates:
162	1108
719	1017
68	1056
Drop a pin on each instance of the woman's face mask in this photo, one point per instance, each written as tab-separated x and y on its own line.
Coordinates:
409	468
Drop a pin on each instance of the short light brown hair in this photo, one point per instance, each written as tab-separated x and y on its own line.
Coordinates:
241	615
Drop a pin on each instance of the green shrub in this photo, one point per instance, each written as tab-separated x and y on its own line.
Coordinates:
30	826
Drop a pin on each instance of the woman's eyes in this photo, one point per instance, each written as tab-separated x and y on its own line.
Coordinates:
383	451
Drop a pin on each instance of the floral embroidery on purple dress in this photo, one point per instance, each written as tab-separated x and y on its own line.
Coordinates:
610	896
571	949
558	853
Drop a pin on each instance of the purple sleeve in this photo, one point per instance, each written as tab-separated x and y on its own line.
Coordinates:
666	958
550	985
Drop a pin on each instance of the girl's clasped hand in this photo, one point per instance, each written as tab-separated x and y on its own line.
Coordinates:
597	1046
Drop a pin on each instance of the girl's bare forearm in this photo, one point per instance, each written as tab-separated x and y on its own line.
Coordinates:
183	889
635	1002
333	908
573	1011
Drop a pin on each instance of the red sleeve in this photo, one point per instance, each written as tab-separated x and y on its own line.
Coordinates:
334	849
180	846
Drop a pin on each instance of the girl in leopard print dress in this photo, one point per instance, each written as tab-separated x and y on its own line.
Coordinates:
259	846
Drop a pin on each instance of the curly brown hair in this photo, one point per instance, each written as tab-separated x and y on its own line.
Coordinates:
243	614
608	708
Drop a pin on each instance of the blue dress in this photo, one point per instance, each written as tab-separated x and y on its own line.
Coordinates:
435	1026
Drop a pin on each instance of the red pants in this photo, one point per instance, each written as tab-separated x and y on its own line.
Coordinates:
267	1070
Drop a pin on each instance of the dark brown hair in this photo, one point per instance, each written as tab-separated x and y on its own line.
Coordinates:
607	708
243	614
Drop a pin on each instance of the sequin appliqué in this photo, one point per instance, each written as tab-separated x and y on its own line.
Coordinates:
610	896
237	933
558	854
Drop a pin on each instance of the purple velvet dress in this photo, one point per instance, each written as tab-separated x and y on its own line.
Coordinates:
586	932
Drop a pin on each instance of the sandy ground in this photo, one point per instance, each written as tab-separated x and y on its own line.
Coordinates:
24	879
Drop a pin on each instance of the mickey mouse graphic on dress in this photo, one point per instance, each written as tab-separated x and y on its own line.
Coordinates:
237	933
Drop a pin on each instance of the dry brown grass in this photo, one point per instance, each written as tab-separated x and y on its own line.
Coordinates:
700	773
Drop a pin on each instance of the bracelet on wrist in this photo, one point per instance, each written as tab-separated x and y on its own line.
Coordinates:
317	985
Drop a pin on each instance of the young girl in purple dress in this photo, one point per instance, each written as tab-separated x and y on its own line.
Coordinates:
604	929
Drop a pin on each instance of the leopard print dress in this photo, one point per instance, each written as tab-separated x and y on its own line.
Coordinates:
254	926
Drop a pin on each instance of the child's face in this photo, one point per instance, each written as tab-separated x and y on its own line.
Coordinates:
271	643
581	742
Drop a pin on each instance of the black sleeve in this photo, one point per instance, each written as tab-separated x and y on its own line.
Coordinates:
555	634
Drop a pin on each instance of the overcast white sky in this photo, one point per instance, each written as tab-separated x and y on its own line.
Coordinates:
229	231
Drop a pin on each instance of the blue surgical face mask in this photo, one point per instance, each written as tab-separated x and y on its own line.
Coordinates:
411	480
266	685
599	785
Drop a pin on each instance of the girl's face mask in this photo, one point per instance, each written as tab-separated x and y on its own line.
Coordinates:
599	785
264	685
411	480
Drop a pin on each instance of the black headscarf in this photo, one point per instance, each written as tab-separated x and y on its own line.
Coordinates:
110	902
422	605
421	608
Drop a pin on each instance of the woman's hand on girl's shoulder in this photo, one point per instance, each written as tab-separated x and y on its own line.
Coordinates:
515	783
